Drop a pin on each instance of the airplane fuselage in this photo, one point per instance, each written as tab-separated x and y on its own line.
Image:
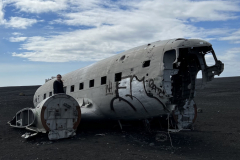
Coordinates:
143	82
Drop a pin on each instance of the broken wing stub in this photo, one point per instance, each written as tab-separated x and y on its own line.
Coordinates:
59	115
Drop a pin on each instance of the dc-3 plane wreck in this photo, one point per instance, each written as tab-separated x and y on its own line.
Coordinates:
150	81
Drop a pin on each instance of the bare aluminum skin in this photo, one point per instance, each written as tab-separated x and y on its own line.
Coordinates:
155	79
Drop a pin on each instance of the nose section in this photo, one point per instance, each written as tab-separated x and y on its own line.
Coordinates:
181	84
210	71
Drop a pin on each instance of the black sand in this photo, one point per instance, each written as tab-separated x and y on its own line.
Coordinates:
216	134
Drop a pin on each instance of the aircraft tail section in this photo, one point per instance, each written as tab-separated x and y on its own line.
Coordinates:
59	115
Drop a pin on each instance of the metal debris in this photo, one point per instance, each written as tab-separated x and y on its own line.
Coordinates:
28	135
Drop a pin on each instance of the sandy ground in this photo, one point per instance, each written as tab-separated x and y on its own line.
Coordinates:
216	133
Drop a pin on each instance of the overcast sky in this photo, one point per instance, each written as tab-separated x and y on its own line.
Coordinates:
41	38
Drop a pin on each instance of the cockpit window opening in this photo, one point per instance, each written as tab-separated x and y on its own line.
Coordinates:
209	59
